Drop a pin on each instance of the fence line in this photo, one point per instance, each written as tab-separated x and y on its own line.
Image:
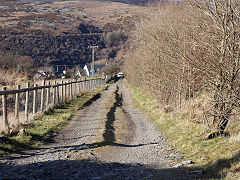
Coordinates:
49	95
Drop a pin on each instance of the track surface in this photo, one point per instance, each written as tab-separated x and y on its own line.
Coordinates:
108	139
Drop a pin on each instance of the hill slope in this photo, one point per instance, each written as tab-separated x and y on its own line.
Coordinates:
60	32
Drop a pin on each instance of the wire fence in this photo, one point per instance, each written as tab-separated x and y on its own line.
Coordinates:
21	105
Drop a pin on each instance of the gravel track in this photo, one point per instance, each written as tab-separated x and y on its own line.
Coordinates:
108	139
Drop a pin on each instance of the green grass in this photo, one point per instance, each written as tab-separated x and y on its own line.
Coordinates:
218	158
44	127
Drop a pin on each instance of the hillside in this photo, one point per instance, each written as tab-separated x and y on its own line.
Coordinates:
59	32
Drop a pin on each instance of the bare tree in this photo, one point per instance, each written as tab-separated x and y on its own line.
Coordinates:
180	48
213	38
111	69
15	61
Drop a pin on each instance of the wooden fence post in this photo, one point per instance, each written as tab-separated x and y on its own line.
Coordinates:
62	98
90	80
88	85
26	102
42	97
68	88
54	94
57	94
17	105
65	92
70	91
84	84
75	89
47	96
34	99
72	87
4	108
79	87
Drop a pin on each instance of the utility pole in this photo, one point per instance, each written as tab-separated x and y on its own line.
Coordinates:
93	53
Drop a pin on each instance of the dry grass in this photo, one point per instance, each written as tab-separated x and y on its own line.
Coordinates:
235	138
11	78
13	122
46	125
219	157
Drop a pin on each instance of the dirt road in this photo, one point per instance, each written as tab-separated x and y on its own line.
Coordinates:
108	139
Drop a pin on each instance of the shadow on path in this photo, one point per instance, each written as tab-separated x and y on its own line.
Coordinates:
108	135
46	138
90	169
93	99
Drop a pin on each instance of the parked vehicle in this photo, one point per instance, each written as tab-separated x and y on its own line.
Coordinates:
120	75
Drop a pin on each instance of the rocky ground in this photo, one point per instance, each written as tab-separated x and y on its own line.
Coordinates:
108	139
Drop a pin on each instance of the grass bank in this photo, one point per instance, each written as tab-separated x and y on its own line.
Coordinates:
218	158
43	128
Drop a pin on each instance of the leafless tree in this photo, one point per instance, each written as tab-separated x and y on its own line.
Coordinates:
180	48
212	39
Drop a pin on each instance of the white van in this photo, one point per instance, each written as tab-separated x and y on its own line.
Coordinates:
120	75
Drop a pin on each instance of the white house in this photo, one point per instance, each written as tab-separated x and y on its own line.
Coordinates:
88	69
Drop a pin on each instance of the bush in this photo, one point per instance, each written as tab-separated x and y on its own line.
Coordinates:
182	48
115	38
111	69
11	77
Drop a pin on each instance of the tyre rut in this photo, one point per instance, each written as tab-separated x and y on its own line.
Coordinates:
108	139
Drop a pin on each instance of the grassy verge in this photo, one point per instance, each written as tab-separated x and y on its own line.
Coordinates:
218	158
42	128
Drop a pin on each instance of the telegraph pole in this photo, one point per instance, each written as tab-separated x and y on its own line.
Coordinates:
93	53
